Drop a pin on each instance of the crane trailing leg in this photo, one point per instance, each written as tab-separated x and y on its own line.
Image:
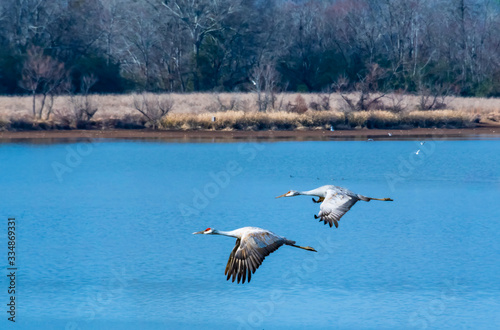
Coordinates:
367	199
292	243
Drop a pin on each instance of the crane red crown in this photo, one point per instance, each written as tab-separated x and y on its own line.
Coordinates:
207	229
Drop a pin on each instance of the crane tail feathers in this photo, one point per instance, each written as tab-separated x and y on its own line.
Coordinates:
307	248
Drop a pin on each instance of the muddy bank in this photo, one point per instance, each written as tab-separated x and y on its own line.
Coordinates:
208	136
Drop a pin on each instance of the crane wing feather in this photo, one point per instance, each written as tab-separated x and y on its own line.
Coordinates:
335	205
248	254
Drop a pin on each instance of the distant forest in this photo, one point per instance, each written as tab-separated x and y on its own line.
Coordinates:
118	46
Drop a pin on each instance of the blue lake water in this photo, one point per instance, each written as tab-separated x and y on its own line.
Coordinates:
104	235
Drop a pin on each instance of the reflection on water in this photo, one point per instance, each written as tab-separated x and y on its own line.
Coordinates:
104	234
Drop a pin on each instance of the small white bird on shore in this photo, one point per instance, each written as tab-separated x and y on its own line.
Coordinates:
253	245
390	134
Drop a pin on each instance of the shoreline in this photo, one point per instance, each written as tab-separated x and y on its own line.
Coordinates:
485	132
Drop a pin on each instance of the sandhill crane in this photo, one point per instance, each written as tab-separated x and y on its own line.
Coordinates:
253	245
336	202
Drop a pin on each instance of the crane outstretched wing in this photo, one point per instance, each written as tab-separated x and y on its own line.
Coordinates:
335	205
249	253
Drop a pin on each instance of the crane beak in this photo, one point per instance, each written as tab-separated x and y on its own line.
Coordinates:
282	195
198	232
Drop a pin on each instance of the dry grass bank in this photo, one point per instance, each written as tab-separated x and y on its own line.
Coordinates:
119	105
239	120
237	111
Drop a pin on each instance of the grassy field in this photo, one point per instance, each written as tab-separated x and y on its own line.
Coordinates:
238	111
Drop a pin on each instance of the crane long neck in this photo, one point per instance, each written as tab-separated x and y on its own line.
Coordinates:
226	233
314	192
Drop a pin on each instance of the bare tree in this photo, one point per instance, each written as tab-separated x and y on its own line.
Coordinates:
83	105
397	101
300	105
202	19
42	75
220	104
141	39
264	79
433	97
323	99
365	88
28	22
153	107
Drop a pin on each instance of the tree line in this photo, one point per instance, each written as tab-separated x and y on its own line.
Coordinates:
115	46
